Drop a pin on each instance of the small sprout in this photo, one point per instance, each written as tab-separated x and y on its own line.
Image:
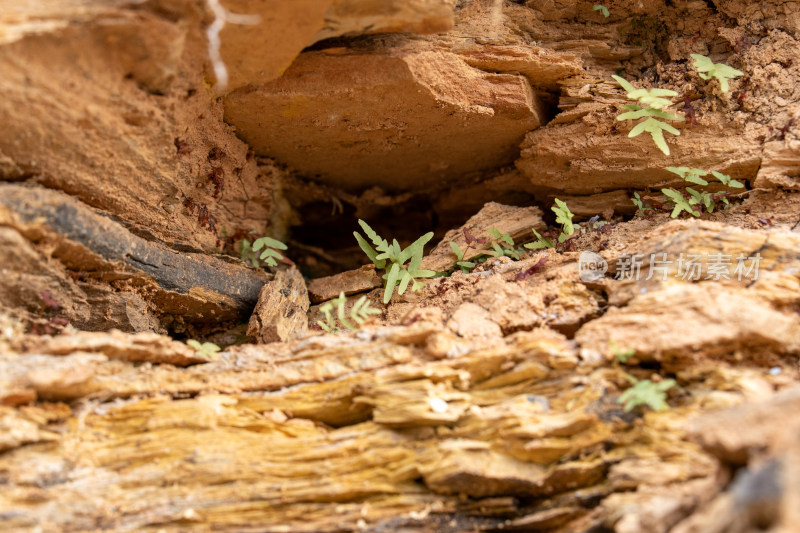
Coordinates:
359	313
398	274
540	243
207	349
727	181
465	266
564	217
270	253
641	206
621	355
707	69
701	198
645	392
648	97
692	175
504	245
681	203
602	9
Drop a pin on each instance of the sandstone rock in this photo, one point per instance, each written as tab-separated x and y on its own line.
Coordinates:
138	348
396	113
280	313
747	433
473	322
256	53
129	128
687	322
199	287
516	221
779	167
569	158
349	282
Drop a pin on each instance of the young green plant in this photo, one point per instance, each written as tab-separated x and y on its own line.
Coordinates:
392	259
465	266
698	198
271	254
646	392
206	349
563	217
651	103
707	69
503	246
359	313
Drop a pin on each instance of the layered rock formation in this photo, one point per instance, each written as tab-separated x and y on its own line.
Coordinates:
494	398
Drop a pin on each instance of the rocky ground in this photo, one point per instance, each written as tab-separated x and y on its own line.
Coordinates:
143	141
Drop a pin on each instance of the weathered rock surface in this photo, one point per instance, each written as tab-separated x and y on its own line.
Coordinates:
263	48
349	282
280	314
63	252
516	221
400	116
494	405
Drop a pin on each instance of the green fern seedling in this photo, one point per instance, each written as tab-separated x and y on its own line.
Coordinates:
207	349
359	313
504	245
727	181
653	98
701	198
602	9
270	255
564	217
645	392
642	207
385	255
465	266
652	102
248	255
692	175
681	203
707	69
540	243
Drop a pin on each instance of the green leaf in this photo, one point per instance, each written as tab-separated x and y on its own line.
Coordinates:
415	249
564	217
340	310
625	84
654	127
379	243
391	281
206	349
647	393
680	202
405	279
692	175
457	250
708	69
726	180
540	243
268	241
371	253
601	8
